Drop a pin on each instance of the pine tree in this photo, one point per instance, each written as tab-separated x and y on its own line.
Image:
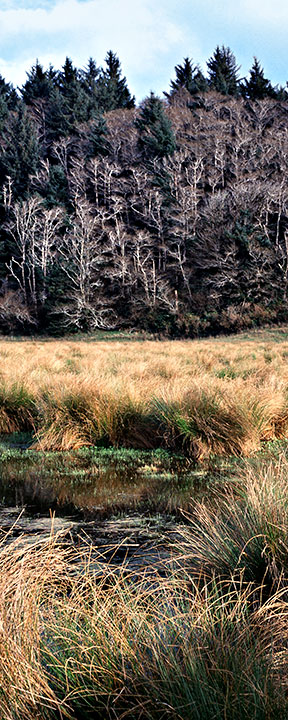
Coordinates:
58	116
8	94
223	71
39	84
89	78
70	87
8	101
156	137
189	77
97	142
257	87
68	102
112	89
20	156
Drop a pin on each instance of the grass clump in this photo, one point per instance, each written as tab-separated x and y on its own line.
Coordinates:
18	409
114	647
88	415
205	422
76	647
245	529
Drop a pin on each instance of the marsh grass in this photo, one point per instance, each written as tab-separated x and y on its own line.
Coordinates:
245	529
200	397
206	639
73	646
18	410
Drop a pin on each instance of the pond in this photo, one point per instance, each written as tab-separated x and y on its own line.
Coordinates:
127	503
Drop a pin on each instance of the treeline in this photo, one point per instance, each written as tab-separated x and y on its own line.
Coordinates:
172	217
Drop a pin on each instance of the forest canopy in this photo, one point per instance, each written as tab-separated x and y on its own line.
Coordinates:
171	216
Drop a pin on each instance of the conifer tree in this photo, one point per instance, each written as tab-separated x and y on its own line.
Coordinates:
257	87
112	89
58	116
156	137
68	103
223	71
89	78
97	141
8	101
39	84
20	155
76	101
189	77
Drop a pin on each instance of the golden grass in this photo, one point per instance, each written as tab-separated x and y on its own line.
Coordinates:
243	528
76	647
219	396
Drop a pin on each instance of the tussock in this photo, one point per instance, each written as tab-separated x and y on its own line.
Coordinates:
201	397
73	646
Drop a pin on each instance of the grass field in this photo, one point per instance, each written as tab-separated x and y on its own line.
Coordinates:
198	397
139	423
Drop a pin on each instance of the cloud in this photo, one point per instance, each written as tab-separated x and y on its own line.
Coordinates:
142	33
265	11
149	37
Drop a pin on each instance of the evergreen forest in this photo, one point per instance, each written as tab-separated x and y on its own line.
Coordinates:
170	216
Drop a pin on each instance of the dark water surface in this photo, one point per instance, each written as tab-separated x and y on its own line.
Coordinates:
127	503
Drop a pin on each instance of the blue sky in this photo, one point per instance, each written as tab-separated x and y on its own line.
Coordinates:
150	36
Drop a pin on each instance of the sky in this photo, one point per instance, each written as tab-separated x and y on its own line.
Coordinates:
149	36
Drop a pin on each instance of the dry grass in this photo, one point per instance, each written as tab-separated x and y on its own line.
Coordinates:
209	642
75	647
243	529
202	397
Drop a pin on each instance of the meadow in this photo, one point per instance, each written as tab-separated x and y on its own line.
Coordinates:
197	428
218	397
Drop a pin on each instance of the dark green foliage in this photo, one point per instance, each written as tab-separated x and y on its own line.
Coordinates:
112	90
97	140
20	154
38	85
58	120
56	190
257	87
190	77
8	102
8	94
223	71
89	79
156	137
75	105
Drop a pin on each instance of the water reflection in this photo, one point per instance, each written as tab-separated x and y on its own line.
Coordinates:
99	482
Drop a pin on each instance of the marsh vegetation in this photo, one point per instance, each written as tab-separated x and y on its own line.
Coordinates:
185	441
200	398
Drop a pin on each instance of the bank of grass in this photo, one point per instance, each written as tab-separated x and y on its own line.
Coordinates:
243	530
197	397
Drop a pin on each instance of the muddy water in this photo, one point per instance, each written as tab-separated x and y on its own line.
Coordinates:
125	503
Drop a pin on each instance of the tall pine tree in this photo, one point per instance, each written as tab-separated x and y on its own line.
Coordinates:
112	88
89	79
156	137
20	152
257	87
223	71
188	76
39	84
